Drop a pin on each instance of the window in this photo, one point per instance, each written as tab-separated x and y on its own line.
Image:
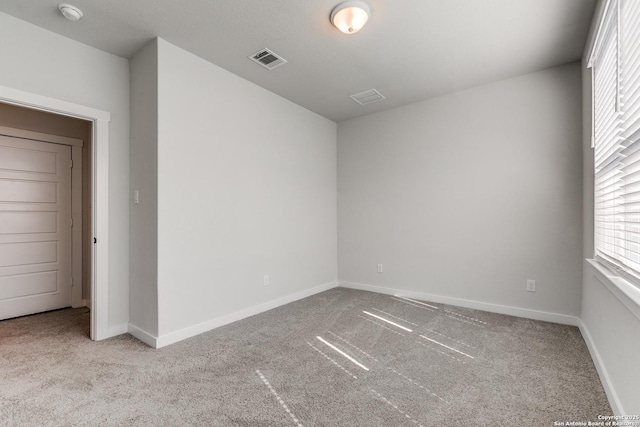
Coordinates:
615	63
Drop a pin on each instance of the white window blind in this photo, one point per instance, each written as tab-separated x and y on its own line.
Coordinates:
616	132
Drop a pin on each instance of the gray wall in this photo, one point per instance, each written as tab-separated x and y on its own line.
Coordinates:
246	187
143	293
468	195
51	65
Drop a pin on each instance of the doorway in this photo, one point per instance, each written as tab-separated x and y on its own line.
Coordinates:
98	177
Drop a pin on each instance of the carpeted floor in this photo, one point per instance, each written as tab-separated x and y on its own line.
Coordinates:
339	358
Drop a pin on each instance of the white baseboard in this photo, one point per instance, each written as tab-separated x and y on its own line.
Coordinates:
81	303
612	396
191	331
114	331
563	319
144	336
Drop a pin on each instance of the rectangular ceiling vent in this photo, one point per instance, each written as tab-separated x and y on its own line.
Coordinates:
367	97
267	59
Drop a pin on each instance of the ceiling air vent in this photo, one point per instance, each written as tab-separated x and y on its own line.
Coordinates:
267	59
367	97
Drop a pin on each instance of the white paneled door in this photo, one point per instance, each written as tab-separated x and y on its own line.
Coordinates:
35	226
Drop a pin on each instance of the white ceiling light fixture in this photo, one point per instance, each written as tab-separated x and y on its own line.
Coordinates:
350	16
70	12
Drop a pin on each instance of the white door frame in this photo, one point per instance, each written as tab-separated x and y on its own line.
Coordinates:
100	193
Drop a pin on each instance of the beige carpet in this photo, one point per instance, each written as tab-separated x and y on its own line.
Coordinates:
339	358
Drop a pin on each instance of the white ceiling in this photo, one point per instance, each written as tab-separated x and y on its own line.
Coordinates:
411	50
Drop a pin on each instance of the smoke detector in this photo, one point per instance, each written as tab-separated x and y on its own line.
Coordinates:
70	12
267	59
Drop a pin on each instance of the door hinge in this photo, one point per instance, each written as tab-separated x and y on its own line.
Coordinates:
72	282
71	222
71	163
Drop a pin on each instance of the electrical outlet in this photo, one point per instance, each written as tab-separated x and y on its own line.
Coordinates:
265	280
531	285
380	268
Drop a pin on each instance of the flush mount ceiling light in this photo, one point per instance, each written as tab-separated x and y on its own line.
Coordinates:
350	16
70	12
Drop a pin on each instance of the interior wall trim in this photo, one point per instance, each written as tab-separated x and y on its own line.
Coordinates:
605	379
144	336
527	313
190	331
